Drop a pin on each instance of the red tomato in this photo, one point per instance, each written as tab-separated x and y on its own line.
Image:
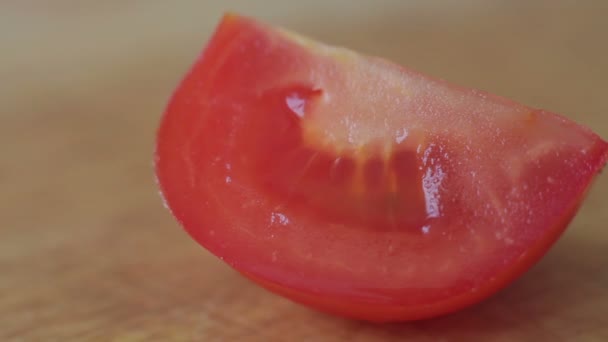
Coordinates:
359	187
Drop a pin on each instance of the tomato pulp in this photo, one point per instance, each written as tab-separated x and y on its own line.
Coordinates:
358	187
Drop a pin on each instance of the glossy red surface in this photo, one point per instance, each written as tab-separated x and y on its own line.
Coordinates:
358	187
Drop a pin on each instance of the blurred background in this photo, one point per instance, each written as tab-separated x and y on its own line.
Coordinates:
87	251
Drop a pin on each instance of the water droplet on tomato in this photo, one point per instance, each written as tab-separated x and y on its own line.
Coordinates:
433	178
401	135
426	229
296	103
431	182
279	218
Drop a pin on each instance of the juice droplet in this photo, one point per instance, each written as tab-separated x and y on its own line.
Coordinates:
298	99
296	104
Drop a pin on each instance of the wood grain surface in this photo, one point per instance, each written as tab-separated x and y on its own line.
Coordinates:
87	252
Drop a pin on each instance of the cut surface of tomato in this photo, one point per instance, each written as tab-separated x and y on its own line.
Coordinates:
359	187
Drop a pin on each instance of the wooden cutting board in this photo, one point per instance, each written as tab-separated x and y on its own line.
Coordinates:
87	252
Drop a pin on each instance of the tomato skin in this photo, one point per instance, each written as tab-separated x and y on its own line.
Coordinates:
217	159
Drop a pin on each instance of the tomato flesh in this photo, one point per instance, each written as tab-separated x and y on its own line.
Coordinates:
359	187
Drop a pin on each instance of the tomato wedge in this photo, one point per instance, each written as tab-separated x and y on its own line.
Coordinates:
359	187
